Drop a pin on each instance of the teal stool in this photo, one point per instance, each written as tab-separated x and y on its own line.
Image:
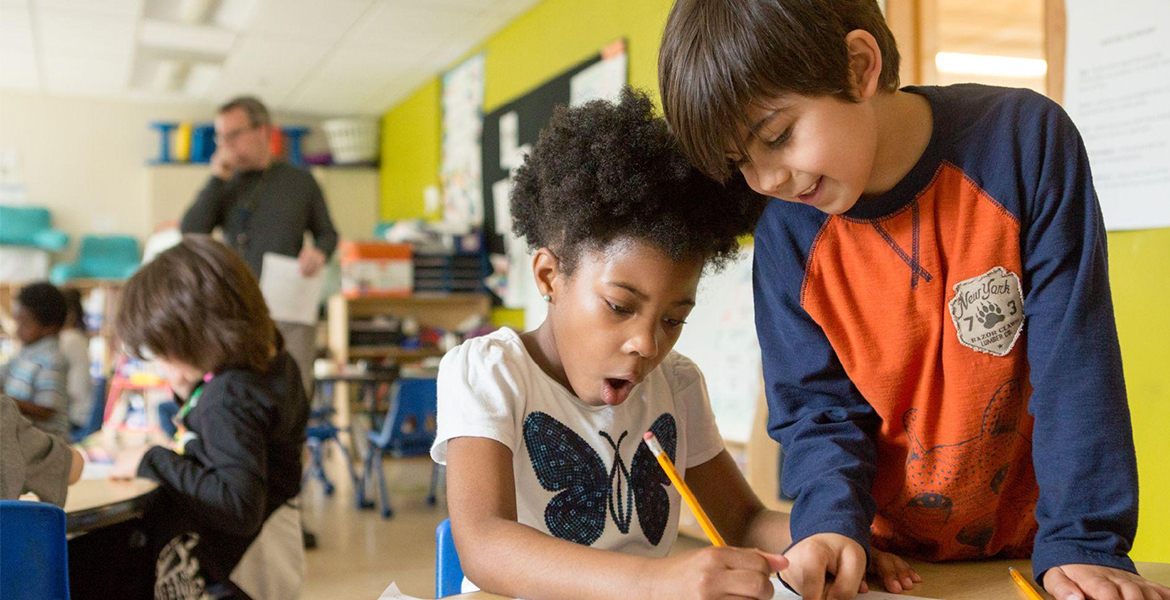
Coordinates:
100	257
31	227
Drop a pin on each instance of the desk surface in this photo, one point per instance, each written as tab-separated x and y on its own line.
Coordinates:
94	503
965	581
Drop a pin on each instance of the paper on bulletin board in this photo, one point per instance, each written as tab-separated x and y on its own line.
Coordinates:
460	164
604	79
1116	91
720	337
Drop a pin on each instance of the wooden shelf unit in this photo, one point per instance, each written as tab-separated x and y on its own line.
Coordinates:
445	311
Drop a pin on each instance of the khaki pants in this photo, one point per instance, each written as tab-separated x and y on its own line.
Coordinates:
301	342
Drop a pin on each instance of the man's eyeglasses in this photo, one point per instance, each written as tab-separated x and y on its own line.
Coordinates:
231	136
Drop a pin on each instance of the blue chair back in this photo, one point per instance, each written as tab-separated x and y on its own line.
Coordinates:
410	424
33	555
448	572
97	414
30	226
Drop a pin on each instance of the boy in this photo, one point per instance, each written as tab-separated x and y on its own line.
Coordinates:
918	229
35	378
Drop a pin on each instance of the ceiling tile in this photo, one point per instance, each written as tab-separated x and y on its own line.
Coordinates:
268	67
393	26
123	9
86	74
310	20
18	70
85	36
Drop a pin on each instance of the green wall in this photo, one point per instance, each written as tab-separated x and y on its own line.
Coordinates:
558	34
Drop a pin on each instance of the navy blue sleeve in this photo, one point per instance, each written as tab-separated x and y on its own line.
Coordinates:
823	424
1082	443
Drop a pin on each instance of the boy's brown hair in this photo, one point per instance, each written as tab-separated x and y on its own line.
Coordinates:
197	303
717	56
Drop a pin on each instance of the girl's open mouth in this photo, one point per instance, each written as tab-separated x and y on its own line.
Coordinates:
615	391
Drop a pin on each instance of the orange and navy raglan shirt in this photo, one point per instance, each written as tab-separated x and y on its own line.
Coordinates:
941	362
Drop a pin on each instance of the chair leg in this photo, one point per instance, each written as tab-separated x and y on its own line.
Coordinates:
364	484
348	461
387	512
319	467
436	468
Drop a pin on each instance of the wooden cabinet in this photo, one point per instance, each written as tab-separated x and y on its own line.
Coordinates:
444	311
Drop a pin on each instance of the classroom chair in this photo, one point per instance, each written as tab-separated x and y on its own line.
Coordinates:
100	257
30	226
33	554
321	431
407	430
97	414
448	572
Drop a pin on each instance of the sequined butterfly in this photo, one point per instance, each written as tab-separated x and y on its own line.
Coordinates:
566	463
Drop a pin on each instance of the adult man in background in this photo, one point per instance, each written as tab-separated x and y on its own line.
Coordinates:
264	205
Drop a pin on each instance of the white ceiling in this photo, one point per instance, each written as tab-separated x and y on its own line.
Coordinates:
327	57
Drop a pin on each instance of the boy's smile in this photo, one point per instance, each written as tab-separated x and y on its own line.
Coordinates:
614	319
829	151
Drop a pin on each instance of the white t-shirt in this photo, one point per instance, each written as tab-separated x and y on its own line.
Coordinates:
568	483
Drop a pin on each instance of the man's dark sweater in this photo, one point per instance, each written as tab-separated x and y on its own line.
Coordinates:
264	211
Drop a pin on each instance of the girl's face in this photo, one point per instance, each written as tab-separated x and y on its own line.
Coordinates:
181	376
615	318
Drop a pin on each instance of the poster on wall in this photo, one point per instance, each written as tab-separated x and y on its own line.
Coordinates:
462	128
1116	91
509	132
720	337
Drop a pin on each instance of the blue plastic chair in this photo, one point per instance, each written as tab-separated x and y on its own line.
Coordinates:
448	571
97	414
407	430
33	553
30	226
320	432
100	257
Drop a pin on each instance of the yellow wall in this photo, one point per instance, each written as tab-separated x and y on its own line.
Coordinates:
410	153
558	34
1139	272
539	45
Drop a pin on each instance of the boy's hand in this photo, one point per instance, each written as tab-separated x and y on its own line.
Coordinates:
716	573
894	572
1092	582
816	555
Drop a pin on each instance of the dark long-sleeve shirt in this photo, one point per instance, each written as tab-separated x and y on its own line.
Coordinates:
941	362
243	463
264	211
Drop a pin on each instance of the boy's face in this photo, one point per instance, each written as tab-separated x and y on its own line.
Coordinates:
28	329
618	315
811	150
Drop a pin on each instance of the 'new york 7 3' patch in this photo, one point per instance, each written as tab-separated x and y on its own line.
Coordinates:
988	311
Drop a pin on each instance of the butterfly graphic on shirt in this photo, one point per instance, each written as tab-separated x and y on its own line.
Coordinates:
588	490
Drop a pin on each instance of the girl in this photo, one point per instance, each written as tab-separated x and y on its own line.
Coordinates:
551	492
223	525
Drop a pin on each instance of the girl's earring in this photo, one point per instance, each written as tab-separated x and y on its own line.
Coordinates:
547	297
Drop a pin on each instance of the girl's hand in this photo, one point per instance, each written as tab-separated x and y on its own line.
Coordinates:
894	572
1092	582
715	574
126	465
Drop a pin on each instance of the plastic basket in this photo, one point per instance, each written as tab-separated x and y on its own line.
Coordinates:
352	140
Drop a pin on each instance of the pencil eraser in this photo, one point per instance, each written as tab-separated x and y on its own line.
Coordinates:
649	436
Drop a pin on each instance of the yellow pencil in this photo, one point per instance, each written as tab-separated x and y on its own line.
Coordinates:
688	497
1029	591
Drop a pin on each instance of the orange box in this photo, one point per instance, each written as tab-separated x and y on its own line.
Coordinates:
376	269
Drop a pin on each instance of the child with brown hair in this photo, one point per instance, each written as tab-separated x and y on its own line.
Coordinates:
932	299
236	462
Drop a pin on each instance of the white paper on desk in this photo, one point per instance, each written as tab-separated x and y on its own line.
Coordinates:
782	593
393	593
290	296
